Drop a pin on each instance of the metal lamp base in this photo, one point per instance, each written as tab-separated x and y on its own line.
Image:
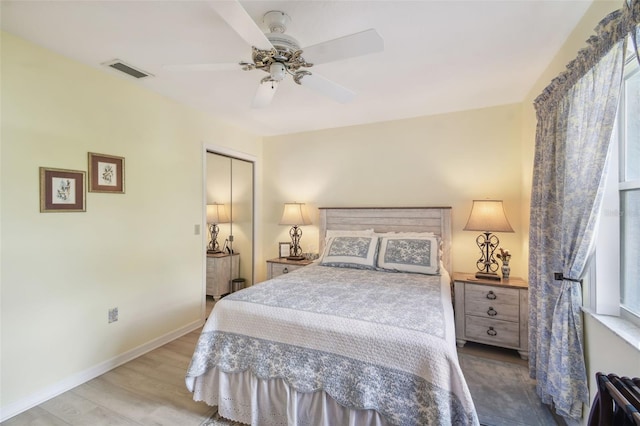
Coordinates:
295	252
488	276
487	242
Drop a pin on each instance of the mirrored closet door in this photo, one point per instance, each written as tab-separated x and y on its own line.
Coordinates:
230	223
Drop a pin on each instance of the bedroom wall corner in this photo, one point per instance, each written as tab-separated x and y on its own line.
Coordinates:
138	251
528	133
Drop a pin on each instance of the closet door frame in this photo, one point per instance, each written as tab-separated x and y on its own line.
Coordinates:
215	149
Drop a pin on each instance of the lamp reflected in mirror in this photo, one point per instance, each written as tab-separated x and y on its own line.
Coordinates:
216	214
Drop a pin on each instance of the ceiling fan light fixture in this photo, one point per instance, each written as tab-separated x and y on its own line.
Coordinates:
277	71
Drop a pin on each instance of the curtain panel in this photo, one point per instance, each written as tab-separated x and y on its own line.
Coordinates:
576	114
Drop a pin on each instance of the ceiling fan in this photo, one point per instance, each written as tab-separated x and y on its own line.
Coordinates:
279	54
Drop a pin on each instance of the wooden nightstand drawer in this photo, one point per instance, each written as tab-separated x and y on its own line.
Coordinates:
280	266
280	269
492	302
495	332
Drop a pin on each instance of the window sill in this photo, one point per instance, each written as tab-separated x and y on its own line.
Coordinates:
626	330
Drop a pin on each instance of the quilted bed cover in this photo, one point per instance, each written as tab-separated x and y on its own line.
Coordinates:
327	345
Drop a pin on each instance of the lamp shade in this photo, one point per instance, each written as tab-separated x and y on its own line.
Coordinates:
217	213
488	216
295	214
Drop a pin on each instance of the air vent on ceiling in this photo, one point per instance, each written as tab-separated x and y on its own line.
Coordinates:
127	69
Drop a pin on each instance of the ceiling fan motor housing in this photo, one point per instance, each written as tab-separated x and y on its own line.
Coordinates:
283	42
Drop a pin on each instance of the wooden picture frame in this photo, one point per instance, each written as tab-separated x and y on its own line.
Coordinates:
62	190
284	250
106	173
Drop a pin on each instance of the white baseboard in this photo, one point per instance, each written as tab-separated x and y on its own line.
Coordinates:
91	373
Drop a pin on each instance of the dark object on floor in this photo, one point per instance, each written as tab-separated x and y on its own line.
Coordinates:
617	402
237	284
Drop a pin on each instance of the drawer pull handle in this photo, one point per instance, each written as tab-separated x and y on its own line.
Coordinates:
285	271
492	312
491	295
492	332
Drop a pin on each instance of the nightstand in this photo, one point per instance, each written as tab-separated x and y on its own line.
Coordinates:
492	312
221	269
282	265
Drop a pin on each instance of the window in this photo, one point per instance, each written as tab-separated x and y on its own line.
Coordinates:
629	189
615	274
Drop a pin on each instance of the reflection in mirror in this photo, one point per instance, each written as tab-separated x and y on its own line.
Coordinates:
229	182
242	223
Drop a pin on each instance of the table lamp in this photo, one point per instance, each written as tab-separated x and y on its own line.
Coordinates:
295	214
487	216
216	213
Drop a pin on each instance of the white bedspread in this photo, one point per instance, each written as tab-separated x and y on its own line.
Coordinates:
369	340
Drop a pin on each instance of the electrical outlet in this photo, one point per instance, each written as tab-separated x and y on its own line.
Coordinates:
113	315
196	229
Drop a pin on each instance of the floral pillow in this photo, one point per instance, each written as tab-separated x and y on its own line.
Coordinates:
410	254
351	251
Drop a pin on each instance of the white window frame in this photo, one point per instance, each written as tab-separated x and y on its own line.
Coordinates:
604	276
604	272
632	68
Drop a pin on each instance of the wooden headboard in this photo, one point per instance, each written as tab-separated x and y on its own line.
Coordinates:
390	219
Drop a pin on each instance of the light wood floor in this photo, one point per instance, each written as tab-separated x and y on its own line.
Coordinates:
150	390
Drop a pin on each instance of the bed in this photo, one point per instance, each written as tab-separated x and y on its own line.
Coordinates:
364	336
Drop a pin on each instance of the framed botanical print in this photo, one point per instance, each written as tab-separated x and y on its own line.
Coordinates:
106	173
62	190
284	249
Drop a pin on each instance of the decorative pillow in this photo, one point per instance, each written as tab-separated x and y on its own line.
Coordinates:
410	254
330	233
354	251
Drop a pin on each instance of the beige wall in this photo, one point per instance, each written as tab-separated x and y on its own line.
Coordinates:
61	272
604	350
440	160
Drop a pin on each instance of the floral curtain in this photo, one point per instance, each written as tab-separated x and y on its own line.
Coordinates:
634	10
576	113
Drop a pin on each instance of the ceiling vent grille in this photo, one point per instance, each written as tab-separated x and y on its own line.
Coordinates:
117	64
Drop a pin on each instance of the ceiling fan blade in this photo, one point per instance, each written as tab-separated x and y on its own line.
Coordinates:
362	43
230	66
237	17
264	94
328	88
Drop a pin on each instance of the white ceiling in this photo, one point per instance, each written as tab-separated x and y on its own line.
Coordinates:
439	56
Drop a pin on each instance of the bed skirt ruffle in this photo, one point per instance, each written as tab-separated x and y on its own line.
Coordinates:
245	398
